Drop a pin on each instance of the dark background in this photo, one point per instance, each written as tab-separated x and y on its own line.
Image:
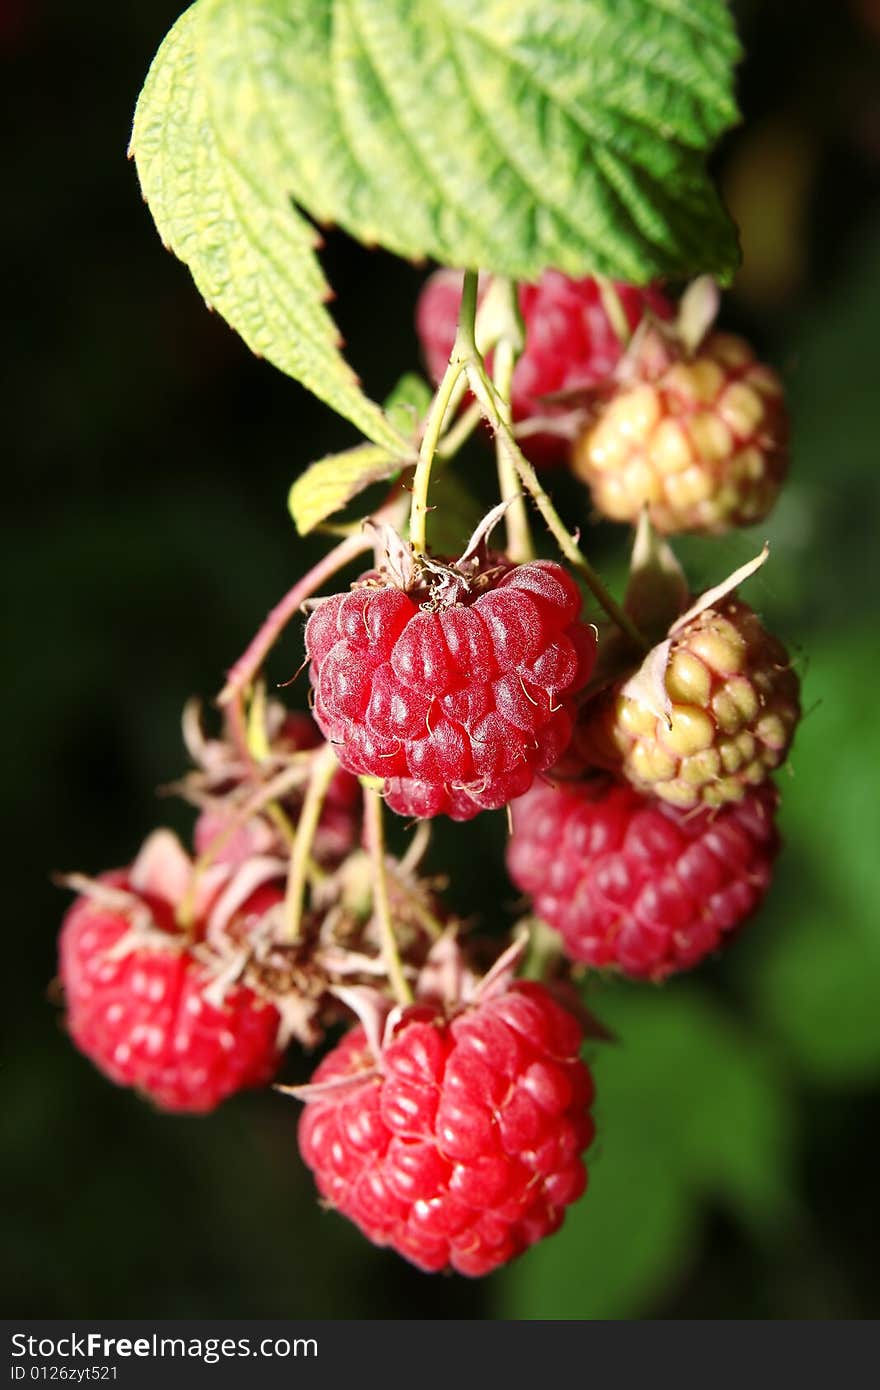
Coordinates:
144	536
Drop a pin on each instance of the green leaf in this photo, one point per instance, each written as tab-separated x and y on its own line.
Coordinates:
689	1110
328	485
408	403
211	166
509	136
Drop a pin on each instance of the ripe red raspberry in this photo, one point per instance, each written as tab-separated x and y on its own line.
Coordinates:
636	885
722	718
140	1004
456	695
703	443
569	345
460	1145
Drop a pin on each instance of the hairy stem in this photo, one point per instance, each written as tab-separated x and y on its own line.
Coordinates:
484	391
614	310
263	800
375	834
462	430
245	669
516	518
418	517
415	906
323	771
417	847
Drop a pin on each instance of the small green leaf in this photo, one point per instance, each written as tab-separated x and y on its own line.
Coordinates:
328	485
213	177
657	590
408	403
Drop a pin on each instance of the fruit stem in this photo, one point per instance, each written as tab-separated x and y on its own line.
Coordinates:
485	394
507	350
417	847
260	749
614	310
242	674
263	800
423	915
375	836
418	516
463	428
323	771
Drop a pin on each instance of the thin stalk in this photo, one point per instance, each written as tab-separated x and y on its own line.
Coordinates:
516	518
237	721
281	821
245	669
417	847
375	835
484	391
423	915
323	771
263	800
437	415
461	431
257	724
614	310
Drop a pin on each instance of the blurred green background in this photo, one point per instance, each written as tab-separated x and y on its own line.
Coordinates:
145	534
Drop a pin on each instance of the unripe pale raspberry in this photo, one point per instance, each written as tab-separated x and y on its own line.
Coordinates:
455	704
635	884
570	344
703	445
733	704
137	1004
461	1146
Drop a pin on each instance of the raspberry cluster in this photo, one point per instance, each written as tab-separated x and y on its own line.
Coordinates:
702	444
450	1124
570	346
634	884
460	1144
456	706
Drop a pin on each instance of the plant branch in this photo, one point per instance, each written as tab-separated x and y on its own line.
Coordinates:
375	835
418	516
263	800
507	349
614	310
463	428
245	669
323	771
485	393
